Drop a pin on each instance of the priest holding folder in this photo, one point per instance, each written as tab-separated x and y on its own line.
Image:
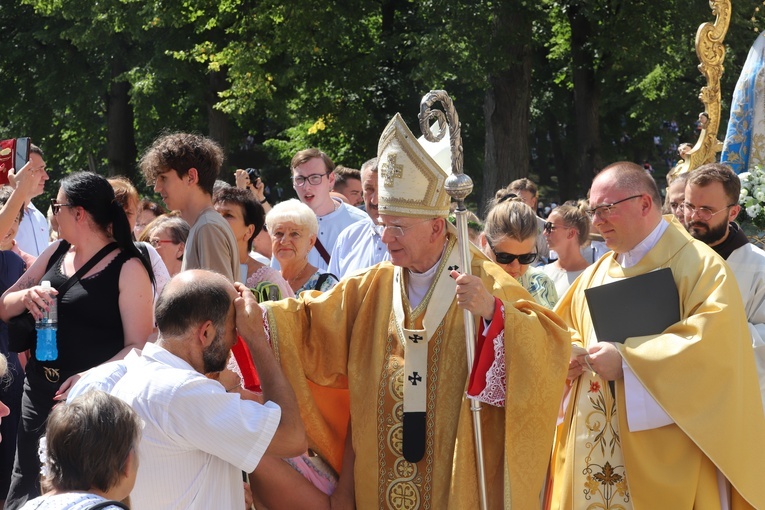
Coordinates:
686	427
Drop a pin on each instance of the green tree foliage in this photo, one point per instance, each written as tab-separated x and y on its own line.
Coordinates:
585	82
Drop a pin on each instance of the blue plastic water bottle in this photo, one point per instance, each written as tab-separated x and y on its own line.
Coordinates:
47	326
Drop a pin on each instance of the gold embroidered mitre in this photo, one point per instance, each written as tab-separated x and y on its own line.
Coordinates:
410	182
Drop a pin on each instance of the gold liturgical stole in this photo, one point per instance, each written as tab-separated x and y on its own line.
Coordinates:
415	341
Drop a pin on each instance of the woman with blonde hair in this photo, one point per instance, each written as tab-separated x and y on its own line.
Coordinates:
509	239
567	229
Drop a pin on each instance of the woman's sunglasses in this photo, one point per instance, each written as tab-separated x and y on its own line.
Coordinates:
508	258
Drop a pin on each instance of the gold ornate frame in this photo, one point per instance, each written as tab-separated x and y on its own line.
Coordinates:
711	53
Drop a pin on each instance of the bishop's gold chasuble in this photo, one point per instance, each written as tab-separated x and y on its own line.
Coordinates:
349	337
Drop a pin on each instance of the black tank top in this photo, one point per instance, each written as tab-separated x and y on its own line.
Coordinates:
89	320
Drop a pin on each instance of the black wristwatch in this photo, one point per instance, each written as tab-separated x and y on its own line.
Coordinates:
264	200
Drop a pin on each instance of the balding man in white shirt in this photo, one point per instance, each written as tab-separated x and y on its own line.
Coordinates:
198	438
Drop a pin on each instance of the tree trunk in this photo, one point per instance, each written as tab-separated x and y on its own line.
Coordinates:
506	104
217	121
566	181
586	98
120	134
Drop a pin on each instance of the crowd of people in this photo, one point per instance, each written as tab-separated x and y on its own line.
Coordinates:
222	351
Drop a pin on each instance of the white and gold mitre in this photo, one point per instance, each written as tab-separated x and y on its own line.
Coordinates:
410	182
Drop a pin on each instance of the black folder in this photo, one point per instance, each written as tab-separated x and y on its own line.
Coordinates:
641	305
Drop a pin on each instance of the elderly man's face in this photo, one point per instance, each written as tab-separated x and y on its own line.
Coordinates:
369	186
410	242
676	194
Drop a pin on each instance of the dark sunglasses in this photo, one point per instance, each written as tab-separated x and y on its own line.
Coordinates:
56	207
550	227
508	258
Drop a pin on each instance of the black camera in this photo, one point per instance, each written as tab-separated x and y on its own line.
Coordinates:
253	174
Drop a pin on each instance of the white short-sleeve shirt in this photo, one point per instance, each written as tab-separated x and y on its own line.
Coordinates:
197	439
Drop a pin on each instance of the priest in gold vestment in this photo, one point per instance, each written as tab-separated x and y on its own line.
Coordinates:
686	429
393	335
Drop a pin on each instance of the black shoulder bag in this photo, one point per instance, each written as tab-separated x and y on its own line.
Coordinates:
21	329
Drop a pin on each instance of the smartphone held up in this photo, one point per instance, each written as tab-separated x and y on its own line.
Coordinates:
14	153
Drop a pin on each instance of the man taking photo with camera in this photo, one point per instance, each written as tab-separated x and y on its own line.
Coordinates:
250	180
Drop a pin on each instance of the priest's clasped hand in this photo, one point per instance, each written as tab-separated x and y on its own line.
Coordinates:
605	360
473	296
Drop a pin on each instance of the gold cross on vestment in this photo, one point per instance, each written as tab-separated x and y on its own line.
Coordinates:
389	169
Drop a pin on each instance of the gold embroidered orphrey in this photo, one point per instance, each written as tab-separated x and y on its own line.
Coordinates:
402	484
390	170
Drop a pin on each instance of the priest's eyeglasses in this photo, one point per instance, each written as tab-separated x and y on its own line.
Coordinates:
313	179
395	230
703	213
507	258
605	210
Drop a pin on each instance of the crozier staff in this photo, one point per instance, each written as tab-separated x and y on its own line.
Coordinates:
393	335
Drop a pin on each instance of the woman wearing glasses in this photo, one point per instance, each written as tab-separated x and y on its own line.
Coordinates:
168	234
567	230
101	317
509	239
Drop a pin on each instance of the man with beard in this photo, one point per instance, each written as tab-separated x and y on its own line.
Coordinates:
657	442
360	246
197	437
711	197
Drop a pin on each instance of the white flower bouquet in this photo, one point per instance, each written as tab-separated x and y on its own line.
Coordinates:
752	197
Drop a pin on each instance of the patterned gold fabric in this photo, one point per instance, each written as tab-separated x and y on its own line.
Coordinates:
346	338
702	373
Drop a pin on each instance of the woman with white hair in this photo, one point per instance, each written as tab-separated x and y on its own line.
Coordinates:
293	228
